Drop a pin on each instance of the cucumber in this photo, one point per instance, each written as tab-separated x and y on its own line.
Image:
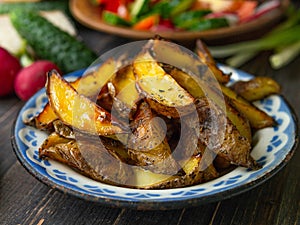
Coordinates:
6	7
188	16
181	6
138	7
113	19
51	43
201	24
208	24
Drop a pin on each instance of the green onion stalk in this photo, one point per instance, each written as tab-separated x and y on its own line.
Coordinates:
283	40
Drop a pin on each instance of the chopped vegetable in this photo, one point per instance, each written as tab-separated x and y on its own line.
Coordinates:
180	6
114	19
183	14
207	24
138	7
146	23
190	15
246	10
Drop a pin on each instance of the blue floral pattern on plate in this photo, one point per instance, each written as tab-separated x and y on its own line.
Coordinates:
272	147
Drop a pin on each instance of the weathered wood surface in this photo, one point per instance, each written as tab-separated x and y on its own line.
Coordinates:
25	200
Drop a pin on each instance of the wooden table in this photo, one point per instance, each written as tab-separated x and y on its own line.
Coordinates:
24	200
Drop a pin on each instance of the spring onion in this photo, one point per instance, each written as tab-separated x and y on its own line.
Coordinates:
285	56
284	39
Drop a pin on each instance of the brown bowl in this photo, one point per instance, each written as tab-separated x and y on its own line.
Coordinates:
90	16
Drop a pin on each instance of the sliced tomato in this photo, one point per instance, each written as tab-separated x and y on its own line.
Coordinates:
116	6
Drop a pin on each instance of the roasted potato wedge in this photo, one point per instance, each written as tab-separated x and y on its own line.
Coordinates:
44	120
180	58
193	85
162	92
204	54
148	146
145	179
258	119
124	93
63	130
89	157
78	111
197	89
89	85
220	135
256	88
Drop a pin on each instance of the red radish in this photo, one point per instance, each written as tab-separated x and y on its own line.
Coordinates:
163	25
9	68
246	10
32	78
263	9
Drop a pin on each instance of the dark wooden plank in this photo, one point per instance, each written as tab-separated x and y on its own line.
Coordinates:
59	208
254	207
18	195
24	200
289	210
132	217
7	119
6	103
199	215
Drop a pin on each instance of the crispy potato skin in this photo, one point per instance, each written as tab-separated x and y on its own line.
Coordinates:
44	120
77	110
198	88
256	88
162	92
194	174
258	119
219	134
63	130
89	157
89	85
125	96
148	146
204	54
244	91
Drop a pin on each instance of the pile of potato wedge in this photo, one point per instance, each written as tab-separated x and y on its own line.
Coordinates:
165	119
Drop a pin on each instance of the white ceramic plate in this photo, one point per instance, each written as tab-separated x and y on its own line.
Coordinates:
273	148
